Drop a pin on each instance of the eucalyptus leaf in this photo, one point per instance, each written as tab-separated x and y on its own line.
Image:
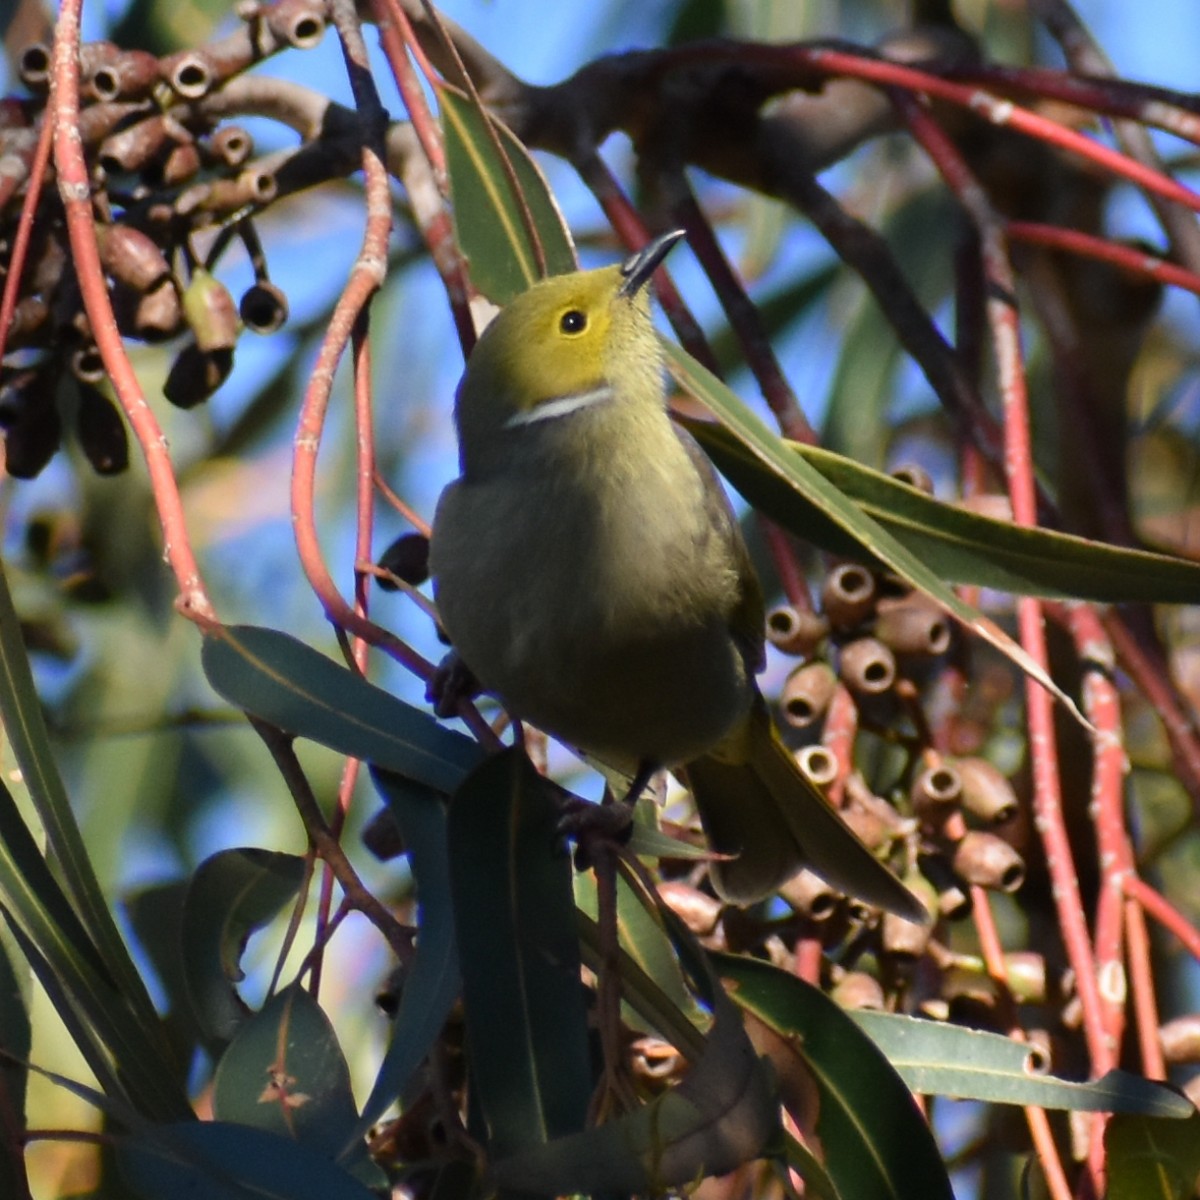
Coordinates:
514	914
876	1141
491	227
231	894
283	681
939	1059
961	546
431	981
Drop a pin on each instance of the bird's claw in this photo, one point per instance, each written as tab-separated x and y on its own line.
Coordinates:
595	828
452	682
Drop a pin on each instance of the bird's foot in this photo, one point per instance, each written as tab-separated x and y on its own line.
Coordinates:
452	681
596	829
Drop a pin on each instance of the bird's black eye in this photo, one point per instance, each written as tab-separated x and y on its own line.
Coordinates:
573	321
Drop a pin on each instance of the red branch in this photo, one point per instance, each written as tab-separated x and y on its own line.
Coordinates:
75	190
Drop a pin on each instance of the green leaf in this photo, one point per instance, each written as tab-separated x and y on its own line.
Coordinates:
25	727
432	981
961	546
722	1113
949	1060
291	685
1152	1159
876	1142
285	1072
489	223
523	996
232	894
132	1062
218	1161
878	543
641	935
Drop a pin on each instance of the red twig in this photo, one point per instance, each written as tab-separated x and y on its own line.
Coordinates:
1164	912
1145	1003
1004	322
994	109
20	247
75	190
1133	260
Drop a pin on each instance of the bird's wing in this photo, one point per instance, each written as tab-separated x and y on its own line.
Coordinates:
747	615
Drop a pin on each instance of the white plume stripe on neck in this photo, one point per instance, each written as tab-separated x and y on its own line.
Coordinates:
560	407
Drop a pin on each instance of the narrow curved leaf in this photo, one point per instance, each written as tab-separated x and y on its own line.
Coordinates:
431	982
844	515
285	682
875	1140
961	546
219	1161
970	1064
523	996
232	894
488	219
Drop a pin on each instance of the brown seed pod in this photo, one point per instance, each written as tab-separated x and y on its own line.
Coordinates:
34	64
263	307
31	441
795	631
867	666
988	861
953	900
986	793
857	989
101	432
189	74
915	476
818	764
810	896
131	256
210	313
231	145
912	624
407	558
1180	1039
936	792
181	163
136	146
196	374
296	25
848	596
697	910
806	694
110	73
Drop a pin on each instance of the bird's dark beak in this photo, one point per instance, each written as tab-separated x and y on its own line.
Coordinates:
638	267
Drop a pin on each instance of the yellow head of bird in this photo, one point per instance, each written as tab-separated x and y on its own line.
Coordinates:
569	343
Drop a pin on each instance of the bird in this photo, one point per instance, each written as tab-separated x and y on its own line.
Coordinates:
589	570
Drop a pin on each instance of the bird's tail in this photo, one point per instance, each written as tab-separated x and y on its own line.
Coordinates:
756	804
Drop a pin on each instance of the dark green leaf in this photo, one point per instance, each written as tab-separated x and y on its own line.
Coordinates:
960	546
217	1161
285	1072
431	983
949	1060
519	954
876	1142
1152	1159
289	684
491	228
232	894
